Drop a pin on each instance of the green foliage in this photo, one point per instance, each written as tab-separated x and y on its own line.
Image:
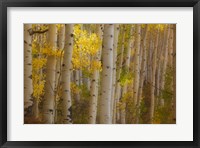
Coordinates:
126	77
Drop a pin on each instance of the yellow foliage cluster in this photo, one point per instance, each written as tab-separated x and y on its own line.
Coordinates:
74	88
86	46
38	89
38	63
49	52
38	79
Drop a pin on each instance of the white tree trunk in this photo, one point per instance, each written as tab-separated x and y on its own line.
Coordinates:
113	109
106	89
66	73
94	85
137	67
166	48
48	104
28	84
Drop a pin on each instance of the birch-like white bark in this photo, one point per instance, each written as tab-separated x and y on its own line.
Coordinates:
48	104
66	74
106	88
28	84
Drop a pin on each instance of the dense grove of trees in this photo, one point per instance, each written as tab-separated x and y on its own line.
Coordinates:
100	73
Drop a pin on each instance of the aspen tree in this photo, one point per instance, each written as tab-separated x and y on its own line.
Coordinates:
106	88
166	47
143	70
118	72
28	86
137	66
114	105
95	84
152	105
48	104
66	73
61	43
126	67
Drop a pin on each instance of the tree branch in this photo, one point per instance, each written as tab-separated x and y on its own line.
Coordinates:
31	31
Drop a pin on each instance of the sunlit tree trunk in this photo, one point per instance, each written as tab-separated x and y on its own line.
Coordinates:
48	104
95	85
28	86
113	109
106	88
66	73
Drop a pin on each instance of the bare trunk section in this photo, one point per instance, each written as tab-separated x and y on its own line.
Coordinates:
48	104
113	109
137	68
94	86
61	43
66	73
152	105
28	84
166	48
106	90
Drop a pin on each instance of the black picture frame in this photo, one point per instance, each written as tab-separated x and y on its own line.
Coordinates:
4	4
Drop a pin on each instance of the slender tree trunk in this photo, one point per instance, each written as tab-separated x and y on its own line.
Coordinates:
137	67
77	81
152	105
143	64
165	60
118	72
106	90
94	86
28	84
61	43
127	65
48	104
114	105
66	73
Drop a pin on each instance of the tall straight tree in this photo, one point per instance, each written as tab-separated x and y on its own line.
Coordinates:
118	73
28	87
61	43
66	73
126	67
95	84
106	88
137	68
114	104
152	105
48	104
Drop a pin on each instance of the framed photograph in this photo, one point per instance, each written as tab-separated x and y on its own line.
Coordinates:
99	73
